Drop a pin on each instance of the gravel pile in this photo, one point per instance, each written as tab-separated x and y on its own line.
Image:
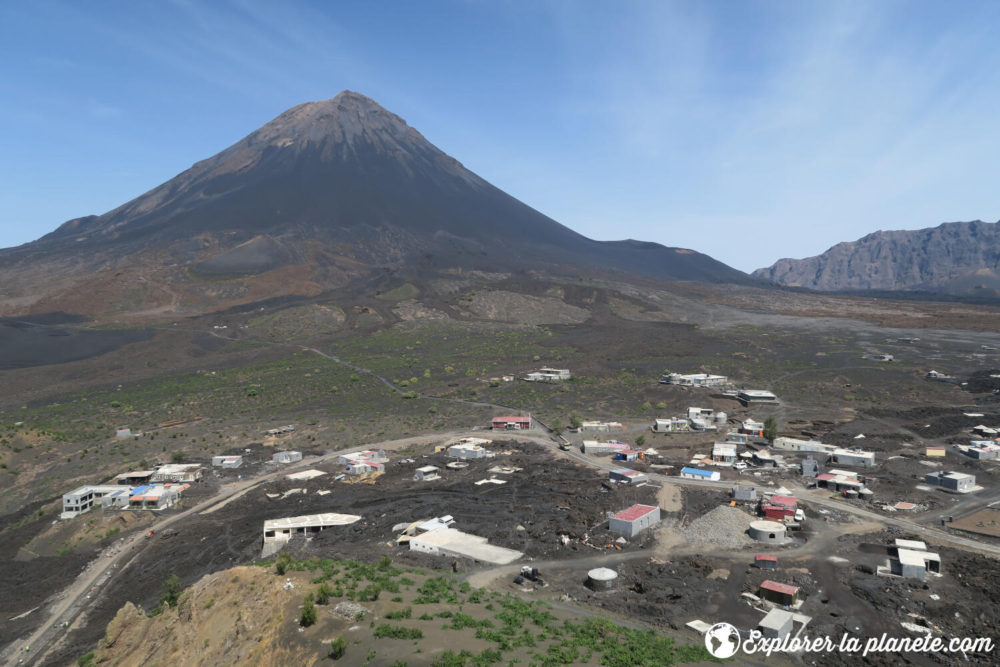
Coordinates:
349	610
724	527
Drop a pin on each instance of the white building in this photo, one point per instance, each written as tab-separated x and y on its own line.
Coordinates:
227	461
602	447
627	476
754	396
601	427
853	457
913	564
698	473
365	466
83	499
672	425
723	453
463	450
377	456
178	473
777	624
455	543
282	530
753	428
153	497
796	445
959	482
288	456
548	375
694	380
426	474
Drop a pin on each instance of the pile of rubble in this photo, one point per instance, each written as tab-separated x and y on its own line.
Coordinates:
723	527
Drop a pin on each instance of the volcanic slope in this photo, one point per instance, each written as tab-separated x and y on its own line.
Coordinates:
318	197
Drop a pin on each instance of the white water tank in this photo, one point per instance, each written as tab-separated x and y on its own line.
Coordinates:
601	578
721	417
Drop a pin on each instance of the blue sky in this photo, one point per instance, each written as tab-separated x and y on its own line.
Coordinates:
747	130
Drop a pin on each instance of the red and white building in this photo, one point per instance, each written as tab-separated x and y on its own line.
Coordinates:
630	522
511	423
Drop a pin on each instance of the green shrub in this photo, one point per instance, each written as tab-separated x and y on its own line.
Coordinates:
397	632
308	611
171	591
338	647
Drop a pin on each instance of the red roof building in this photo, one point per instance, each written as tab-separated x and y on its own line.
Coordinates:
784	501
634	512
777	592
630	522
766	562
777	512
512	423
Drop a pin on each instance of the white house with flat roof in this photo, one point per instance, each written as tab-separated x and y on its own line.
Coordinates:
959	482
754	396
451	542
287	456
548	375
426	474
694	380
723	453
852	457
796	445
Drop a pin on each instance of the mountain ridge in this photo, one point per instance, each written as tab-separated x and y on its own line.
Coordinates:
960	258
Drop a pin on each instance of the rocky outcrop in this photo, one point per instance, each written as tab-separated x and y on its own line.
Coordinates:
953	258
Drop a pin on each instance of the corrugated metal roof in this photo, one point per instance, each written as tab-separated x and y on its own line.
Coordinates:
634	512
697	471
787	501
773	559
785	589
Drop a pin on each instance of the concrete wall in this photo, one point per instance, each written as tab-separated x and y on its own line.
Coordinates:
633	528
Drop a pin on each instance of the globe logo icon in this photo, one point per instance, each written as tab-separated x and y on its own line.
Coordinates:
722	640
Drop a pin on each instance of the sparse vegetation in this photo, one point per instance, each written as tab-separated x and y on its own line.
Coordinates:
308	616
171	591
338	647
398	632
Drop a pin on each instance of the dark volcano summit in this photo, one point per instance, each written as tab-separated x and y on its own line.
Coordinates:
334	188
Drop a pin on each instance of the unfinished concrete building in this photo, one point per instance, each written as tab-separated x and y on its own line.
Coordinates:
178	473
83	499
288	456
